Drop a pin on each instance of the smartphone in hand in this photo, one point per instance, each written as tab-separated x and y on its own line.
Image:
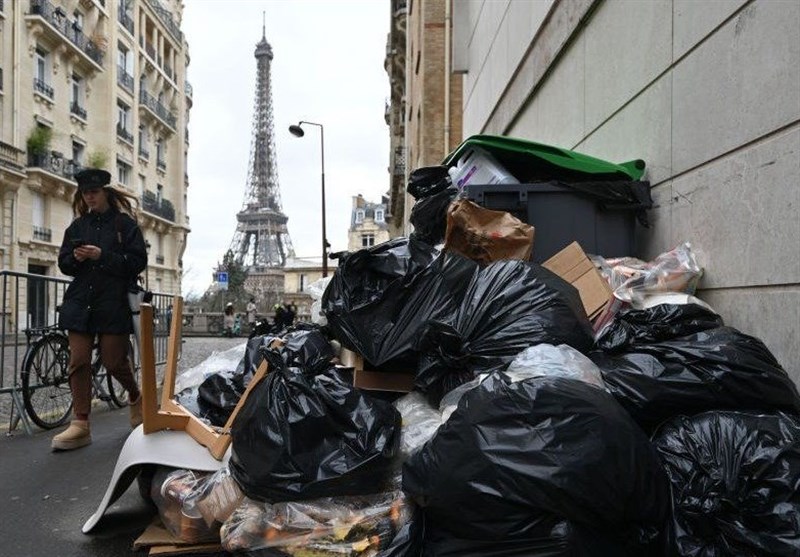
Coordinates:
77	242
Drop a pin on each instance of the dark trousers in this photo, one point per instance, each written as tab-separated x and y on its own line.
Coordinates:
113	355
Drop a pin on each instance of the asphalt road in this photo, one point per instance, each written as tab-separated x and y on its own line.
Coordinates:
46	497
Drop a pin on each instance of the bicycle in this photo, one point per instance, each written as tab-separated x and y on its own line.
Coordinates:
45	377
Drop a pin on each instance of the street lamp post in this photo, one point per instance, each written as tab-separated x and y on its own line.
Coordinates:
297	131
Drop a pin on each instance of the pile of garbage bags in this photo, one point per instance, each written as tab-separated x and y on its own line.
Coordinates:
530	430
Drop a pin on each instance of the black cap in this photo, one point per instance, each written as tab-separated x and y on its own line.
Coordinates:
92	178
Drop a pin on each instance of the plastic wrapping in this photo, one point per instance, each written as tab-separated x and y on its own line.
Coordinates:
175	494
508	306
657	323
546	360
380	297
719	368
429	216
515	455
302	436
316	289
218	361
735	482
632	280
365	526
420	422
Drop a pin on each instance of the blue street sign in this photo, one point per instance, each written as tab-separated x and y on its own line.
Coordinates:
222	279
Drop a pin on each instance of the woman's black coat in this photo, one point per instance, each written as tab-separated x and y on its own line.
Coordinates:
96	301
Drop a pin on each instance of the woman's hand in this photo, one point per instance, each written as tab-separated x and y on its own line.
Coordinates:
82	253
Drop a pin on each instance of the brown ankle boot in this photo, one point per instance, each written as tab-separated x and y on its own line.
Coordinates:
77	435
135	409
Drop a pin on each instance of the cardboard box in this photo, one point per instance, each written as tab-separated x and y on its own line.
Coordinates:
576	268
373	380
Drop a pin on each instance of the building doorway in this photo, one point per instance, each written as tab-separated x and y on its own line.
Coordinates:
37	296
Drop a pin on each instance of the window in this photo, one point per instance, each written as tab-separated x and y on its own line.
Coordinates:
142	136
367	240
78	150
159	193
123	116
359	216
41	65
124	59
77	21
160	151
38	219
142	184
76	91
123	173
302	286
378	215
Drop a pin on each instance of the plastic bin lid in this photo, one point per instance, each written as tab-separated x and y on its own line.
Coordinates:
502	147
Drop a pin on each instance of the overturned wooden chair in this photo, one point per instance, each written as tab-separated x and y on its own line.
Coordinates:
170	435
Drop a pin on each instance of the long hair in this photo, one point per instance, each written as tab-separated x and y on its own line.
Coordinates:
122	201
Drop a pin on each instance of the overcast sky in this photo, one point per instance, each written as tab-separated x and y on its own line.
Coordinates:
327	68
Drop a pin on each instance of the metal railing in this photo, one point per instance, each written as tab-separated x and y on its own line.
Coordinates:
125	79
125	20
157	108
56	17
161	164
124	134
77	110
42	234
159	207
55	163
31	301
187	88
166	18
144	153
42	87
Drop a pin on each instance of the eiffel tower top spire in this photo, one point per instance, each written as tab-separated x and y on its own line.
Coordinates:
262	238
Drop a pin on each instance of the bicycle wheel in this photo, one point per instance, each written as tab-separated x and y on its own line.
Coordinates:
119	396
45	381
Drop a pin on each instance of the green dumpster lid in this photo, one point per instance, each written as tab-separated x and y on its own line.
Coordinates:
512	152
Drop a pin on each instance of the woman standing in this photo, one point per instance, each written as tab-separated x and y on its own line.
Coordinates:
104	250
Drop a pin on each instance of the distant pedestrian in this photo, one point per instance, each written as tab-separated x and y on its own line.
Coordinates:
289	313
228	320
251	314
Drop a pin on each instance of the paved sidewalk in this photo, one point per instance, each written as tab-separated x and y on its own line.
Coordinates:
46	497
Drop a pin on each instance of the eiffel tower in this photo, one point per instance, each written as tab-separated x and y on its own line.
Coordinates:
261	242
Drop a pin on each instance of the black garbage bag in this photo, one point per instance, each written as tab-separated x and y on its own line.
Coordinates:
515	455
379	298
735	483
308	349
303	436
507	307
218	395
253	355
661	322
429	216
427	181
719	368
556	538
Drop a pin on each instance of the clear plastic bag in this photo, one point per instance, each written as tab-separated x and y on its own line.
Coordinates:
175	494
420	422
316	289
633	280
546	360
358	526
226	360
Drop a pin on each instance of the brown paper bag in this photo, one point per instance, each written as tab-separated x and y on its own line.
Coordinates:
484	235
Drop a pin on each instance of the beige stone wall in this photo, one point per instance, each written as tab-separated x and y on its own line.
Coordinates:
158	51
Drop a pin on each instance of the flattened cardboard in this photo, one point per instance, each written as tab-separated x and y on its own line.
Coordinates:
574	266
372	380
162	542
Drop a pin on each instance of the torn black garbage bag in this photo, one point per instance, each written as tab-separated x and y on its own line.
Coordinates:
719	368
379	298
507	307
302	436
735	483
515	454
218	395
660	322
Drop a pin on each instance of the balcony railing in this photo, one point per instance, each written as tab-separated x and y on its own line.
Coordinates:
168	71
77	110
42	87
160	259
161	164
144	153
159	207
125	19
157	108
166	18
42	234
54	162
56	17
125	79
11	157
124	134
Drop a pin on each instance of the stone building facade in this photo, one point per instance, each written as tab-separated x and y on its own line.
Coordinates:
92	83
368	224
